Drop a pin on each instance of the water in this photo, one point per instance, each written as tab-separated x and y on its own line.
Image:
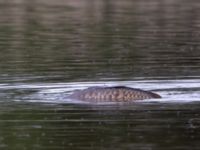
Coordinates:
48	49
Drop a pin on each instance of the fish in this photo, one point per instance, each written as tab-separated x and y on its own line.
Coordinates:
112	94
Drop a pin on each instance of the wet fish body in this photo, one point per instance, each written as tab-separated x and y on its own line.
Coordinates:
112	94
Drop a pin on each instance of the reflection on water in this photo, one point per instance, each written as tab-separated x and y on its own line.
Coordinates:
152	126
77	40
50	48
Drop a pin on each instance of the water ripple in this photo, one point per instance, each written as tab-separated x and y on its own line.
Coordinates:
171	90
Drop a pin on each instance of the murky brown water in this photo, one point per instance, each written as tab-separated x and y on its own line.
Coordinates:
50	48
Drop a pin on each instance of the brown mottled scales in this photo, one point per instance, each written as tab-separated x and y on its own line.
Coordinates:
112	94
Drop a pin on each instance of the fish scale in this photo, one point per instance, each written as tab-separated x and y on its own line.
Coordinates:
112	94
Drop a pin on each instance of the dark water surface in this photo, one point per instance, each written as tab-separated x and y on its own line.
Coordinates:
50	48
